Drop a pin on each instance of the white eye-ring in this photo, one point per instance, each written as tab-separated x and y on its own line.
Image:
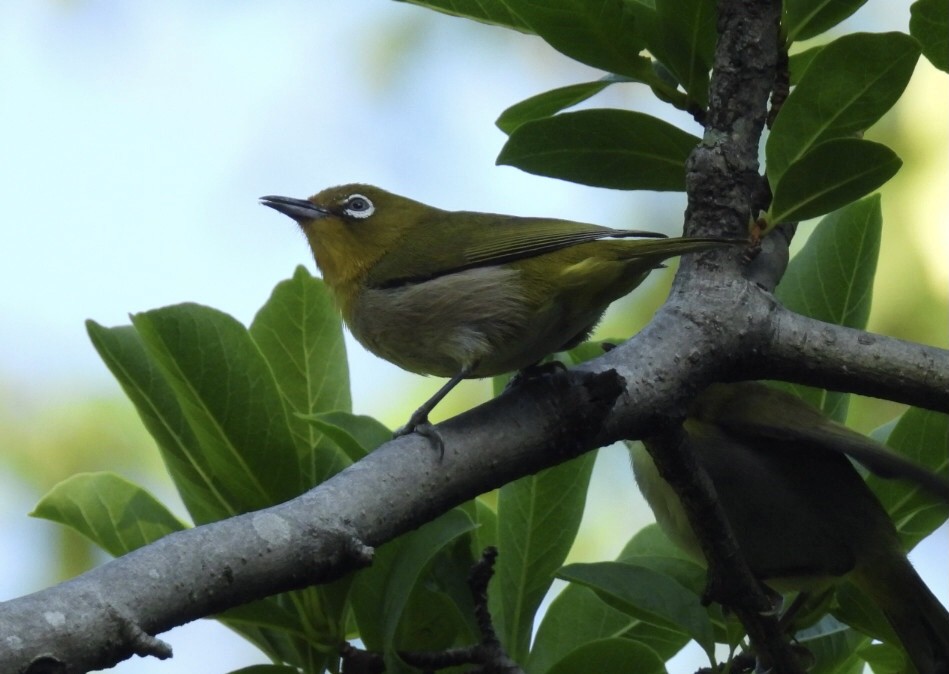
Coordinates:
358	206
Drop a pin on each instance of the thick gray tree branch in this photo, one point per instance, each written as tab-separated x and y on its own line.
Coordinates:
716	325
845	359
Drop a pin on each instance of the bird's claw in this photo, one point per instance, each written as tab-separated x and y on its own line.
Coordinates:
425	428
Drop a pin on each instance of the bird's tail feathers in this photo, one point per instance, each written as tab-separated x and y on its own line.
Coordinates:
919	619
661	249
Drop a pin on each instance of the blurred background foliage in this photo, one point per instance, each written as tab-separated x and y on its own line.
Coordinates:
136	138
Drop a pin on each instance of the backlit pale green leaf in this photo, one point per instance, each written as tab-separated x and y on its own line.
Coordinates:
123	352
230	400
300	334
115	514
538	519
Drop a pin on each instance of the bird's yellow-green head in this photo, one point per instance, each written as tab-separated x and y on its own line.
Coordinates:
350	227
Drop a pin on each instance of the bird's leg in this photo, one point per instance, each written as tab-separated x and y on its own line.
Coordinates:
419	423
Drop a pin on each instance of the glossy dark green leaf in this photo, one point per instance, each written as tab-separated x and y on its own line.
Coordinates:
648	595
610	655
929	23
230	400
603	148
831	279
494	12
830	176
600	33
798	63
848	86
538	519
681	35
804	19
112	512
266	669
300	334
552	102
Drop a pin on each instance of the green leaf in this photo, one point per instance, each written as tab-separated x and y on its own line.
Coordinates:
577	615
648	595
833	646
115	514
266	669
922	436
538	519
381	593
849	85
487	532
805	19
681	34
800	62
494	12
830	176
610	655
831	279
123	352
929	23
230	400
884	658
355	434
604	148
300	335
600	33
853	607
274	626
552	102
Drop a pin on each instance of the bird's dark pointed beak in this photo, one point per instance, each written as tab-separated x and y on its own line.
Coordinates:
300	210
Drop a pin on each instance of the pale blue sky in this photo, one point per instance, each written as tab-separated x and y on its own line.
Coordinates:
136	137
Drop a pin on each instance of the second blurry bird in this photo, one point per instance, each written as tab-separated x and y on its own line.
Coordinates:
462	294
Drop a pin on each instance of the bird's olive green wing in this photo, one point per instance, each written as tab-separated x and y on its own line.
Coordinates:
482	239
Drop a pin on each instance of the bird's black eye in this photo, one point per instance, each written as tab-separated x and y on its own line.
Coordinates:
358	206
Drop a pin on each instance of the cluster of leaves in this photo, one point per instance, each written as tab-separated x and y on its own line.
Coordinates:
816	162
248	417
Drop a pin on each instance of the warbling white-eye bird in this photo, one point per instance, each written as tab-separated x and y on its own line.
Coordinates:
465	295
802	516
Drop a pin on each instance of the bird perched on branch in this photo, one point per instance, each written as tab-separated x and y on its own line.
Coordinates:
802	516
461	294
